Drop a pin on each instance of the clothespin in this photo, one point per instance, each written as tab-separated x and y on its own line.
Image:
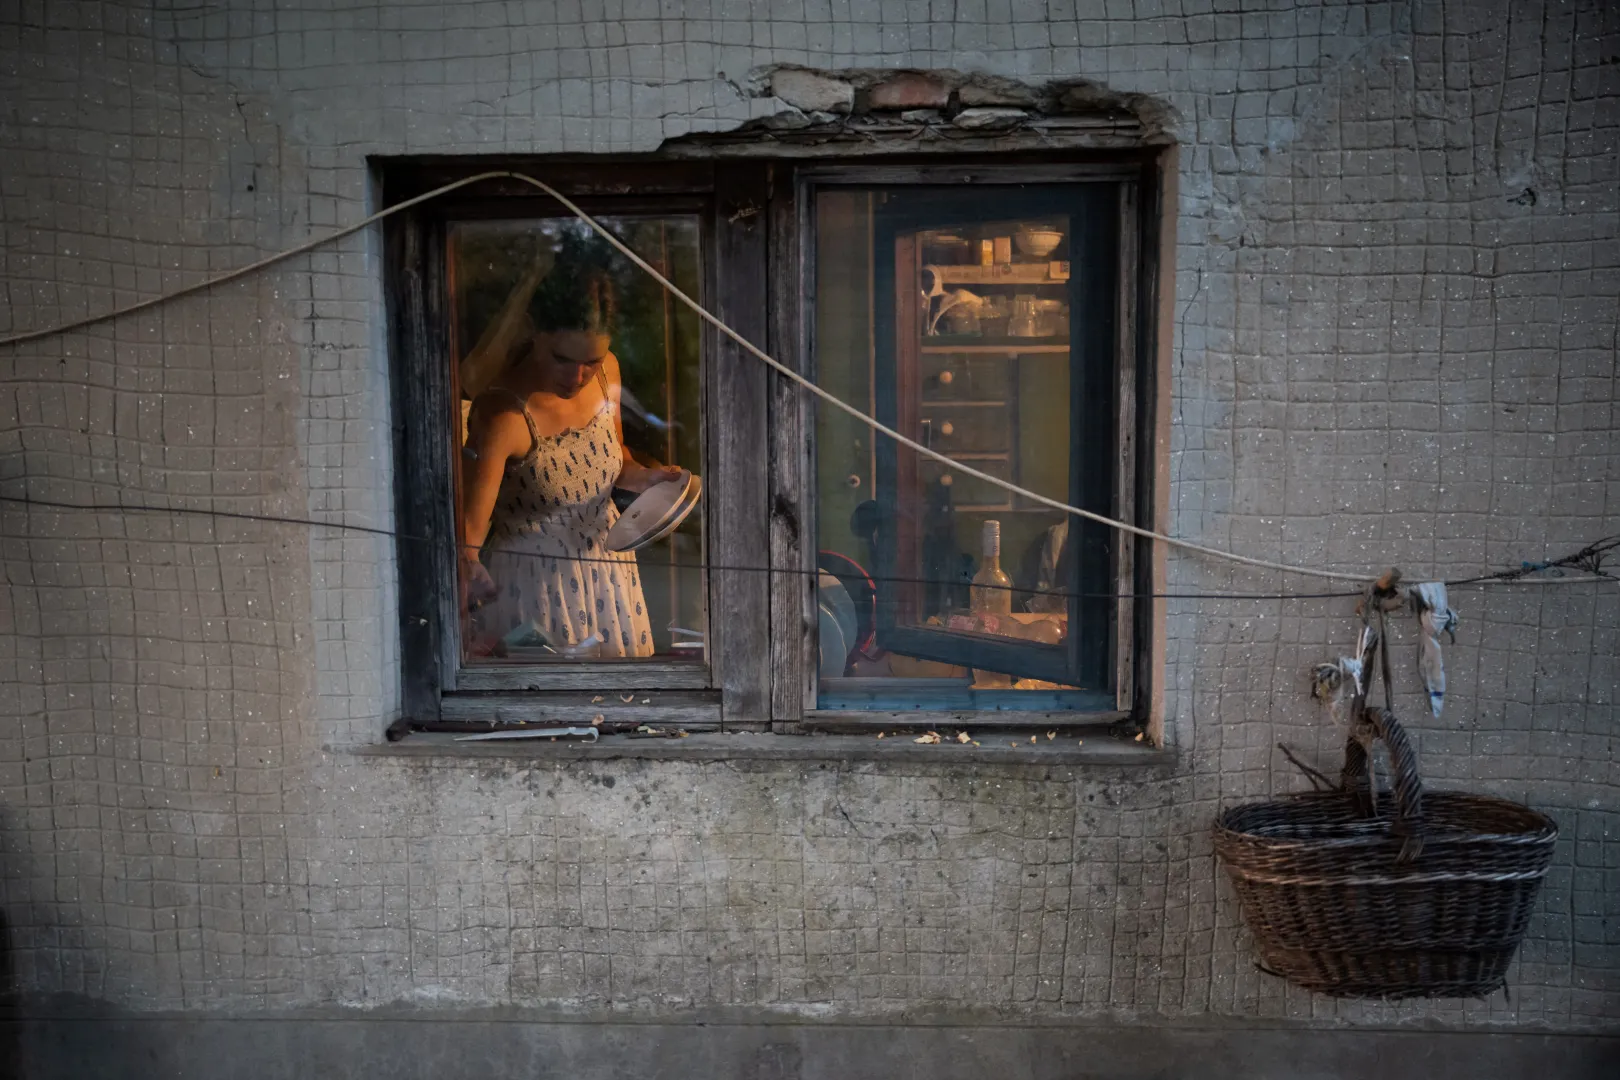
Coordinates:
1382	595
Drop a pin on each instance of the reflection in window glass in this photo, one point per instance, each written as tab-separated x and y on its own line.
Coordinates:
579	389
948	314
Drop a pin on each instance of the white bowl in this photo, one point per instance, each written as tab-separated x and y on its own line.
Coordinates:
1038	243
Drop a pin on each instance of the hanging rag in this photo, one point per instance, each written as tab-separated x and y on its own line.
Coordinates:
1339	683
1435	616
1335	684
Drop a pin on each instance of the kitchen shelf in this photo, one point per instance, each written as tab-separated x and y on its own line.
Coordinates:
979	346
1040	273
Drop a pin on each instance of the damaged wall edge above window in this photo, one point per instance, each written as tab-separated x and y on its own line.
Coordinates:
862	111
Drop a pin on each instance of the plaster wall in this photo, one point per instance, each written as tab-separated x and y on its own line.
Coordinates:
1395	333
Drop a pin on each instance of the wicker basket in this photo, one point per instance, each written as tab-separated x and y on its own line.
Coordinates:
1345	898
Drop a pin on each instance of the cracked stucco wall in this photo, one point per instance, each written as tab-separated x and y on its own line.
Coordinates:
1395	343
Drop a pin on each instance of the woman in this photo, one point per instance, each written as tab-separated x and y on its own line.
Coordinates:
545	449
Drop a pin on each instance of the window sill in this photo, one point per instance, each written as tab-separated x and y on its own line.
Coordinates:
1093	748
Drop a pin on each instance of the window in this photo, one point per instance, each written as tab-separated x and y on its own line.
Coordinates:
980	320
827	575
541	581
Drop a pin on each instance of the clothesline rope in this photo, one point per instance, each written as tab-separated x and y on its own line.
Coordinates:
1505	577
703	313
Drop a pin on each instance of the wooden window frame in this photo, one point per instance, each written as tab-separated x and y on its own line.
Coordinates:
733	685
757	252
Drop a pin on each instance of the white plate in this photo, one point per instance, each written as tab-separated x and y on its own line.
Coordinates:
835	599
833	651
655	513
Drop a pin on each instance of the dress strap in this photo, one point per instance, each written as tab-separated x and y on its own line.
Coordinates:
601	380
523	410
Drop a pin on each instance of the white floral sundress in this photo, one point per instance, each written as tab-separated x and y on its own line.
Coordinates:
545	549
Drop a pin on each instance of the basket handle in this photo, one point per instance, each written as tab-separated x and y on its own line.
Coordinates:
1357	766
1408	822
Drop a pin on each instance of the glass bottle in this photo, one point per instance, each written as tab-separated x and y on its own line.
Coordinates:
991	601
992	588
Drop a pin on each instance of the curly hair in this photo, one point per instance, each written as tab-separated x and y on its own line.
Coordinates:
579	293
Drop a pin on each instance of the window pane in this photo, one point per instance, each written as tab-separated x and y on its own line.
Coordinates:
951	315
578	379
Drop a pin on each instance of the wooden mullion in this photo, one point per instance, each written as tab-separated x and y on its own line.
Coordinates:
793	624
737	491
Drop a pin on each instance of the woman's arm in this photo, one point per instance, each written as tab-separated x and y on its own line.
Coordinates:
633	476
494	436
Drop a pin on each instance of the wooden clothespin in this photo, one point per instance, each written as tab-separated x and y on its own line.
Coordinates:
1385	593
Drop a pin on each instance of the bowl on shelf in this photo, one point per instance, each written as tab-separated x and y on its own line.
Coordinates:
1038	243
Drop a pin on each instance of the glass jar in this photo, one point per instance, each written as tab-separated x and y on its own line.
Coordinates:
1025	320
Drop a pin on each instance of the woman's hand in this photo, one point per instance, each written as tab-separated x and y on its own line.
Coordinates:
477	587
638	478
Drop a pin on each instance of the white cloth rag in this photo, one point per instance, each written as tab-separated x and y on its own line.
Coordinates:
1435	616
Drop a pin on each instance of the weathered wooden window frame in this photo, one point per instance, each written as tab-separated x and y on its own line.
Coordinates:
734	681
757	251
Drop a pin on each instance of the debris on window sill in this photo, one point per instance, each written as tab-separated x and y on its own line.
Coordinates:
668	742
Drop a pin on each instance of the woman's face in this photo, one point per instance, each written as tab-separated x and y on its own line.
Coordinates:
569	360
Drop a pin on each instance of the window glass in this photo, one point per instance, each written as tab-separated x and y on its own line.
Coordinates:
979	323
578	387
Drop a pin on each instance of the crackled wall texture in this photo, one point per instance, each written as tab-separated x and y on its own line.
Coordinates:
1395	343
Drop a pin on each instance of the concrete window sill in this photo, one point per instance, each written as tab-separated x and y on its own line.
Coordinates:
1067	748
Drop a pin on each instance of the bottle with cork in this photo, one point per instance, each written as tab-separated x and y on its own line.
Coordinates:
991	601
992	588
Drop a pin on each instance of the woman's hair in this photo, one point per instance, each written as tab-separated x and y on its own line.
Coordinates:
579	293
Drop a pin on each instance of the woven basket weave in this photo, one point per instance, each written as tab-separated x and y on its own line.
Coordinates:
1428	898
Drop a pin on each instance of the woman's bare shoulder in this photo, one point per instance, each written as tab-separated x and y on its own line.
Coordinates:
496	422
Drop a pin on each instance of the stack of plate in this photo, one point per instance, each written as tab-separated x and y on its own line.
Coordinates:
838	625
655	513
